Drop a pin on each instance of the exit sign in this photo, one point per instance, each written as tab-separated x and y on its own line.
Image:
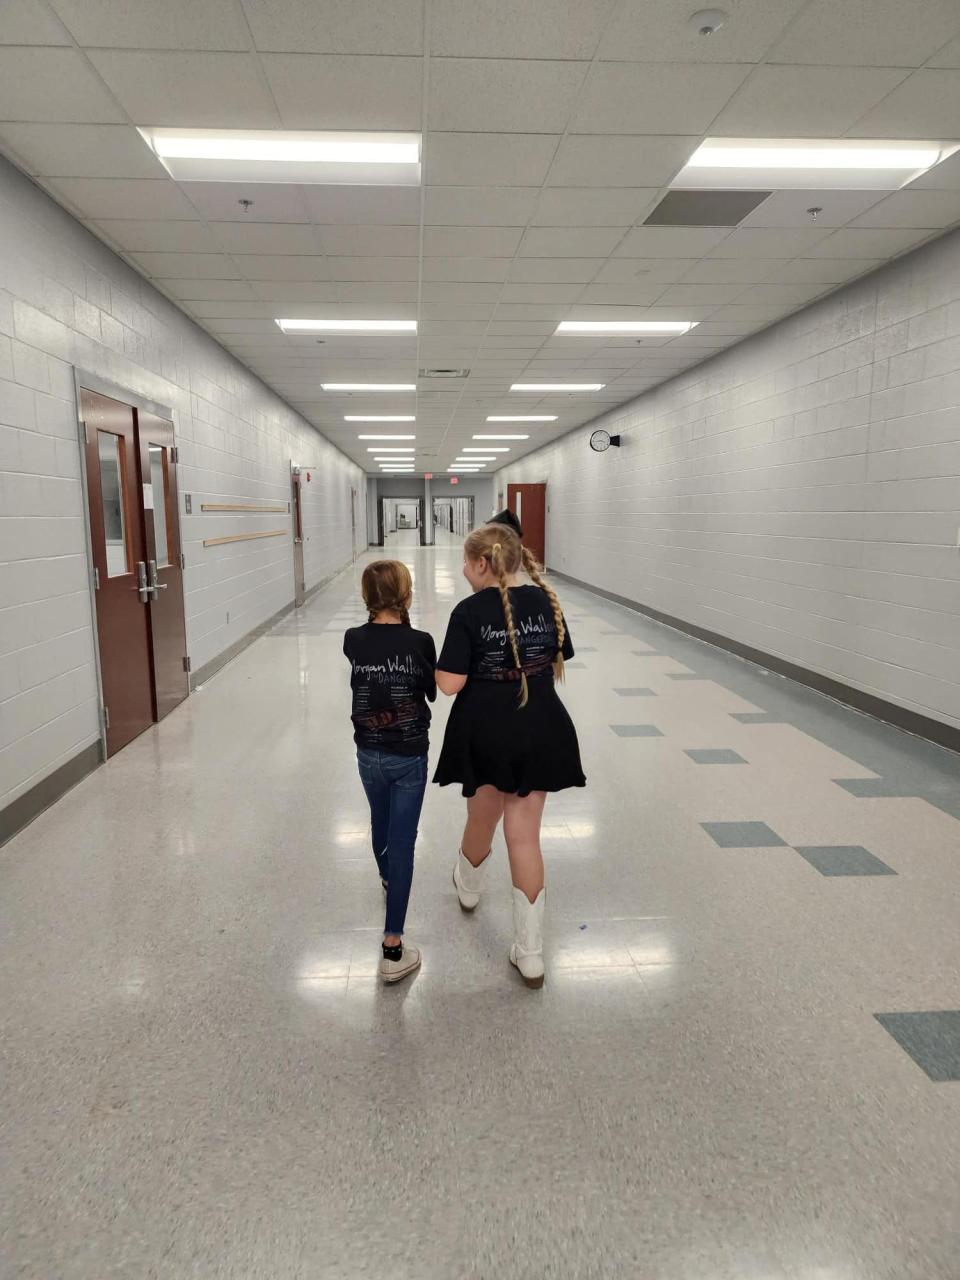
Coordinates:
454	479
428	475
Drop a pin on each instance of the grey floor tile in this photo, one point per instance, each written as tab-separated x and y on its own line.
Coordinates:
755	717
931	1039
742	835
635	693
715	755
685	675
636	731
575	666
844	860
869	788
646	653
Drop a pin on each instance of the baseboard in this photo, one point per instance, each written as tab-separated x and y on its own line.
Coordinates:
22	811
870	704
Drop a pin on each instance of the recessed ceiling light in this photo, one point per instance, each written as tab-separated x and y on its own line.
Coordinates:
626	326
501	437
480	458
522	417
487	449
348	326
273	155
557	386
379	417
382	448
809	163
368	386
386	437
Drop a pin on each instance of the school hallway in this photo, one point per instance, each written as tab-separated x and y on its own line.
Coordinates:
734	1069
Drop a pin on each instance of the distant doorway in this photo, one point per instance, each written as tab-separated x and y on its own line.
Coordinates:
528	502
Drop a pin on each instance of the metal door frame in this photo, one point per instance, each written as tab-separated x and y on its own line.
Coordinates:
85	381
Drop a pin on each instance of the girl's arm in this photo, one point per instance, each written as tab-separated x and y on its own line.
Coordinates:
449	683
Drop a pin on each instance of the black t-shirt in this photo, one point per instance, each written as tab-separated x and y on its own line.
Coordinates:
476	644
393	676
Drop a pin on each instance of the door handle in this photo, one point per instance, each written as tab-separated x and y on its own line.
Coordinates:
142	587
155	584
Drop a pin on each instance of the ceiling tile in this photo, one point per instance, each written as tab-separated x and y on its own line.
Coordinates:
131	198
569	242
944	176
563	29
643	271
516	96
741	271
935	209
593	161
759	242
785	295
826	270
272	202
336	26
212	266
166	87
485	242
489	159
948	56
264	237
479	206
160	237
927	105
866	242
381	291
225	310
345	92
567	270
31	22
293	292
174	24
382	206
624	97
373	268
387	242
454	291
481	270
552	291
673	242
881	33
601	207
800	102
655	31
81	150
281	267
194	290
699	295
791	208
52	84
640	293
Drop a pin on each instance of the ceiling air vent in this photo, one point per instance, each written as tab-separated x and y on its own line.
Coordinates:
444	373
704	208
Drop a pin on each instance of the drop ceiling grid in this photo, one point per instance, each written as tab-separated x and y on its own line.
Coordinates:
538	171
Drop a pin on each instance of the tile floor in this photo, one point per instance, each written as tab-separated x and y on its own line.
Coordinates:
745	1064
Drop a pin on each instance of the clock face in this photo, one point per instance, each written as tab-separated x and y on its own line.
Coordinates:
600	441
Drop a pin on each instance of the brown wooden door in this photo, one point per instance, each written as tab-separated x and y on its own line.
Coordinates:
299	575
161	519
528	502
119	558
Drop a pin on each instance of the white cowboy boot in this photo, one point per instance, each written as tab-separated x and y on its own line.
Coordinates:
527	950
468	880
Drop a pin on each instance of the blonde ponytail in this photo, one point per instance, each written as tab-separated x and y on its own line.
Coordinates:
497	564
534	571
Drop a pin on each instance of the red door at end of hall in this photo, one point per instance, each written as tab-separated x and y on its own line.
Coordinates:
528	502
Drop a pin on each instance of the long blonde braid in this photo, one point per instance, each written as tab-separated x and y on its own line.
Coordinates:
534	571
497	564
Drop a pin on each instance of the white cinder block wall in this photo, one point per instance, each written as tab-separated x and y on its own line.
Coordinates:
799	493
66	301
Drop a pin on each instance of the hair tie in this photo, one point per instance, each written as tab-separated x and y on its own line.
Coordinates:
497	546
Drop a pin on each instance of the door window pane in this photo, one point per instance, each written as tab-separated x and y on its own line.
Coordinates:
158	480
110	449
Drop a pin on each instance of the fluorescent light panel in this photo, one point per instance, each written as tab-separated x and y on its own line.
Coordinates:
347	326
381	448
626	326
269	155
368	386
379	417
523	417
487	449
501	437
386	437
557	386
829	164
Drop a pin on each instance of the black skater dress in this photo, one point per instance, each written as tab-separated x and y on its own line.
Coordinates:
490	739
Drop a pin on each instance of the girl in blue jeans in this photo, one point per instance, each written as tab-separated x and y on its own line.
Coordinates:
393	679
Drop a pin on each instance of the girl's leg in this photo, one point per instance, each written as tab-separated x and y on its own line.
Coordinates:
378	797
521	826
484	811
408	784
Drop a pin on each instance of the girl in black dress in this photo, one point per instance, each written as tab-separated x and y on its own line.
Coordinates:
509	739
